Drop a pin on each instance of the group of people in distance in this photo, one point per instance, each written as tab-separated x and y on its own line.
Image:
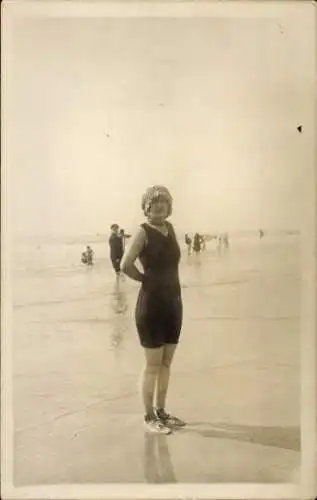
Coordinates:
117	244
198	243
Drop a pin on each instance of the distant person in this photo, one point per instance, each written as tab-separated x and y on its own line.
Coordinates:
116	248
159	306
87	256
214	238
188	242
197	244
261	234
225	240
219	243
203	242
90	255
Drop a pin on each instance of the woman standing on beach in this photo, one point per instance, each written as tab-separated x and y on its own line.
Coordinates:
159	306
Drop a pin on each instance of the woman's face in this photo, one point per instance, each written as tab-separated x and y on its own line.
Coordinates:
158	211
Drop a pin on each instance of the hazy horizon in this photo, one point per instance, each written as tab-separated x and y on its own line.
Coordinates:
102	108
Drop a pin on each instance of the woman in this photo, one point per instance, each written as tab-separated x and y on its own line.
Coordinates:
159	306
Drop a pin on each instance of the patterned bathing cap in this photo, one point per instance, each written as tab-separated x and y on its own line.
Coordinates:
153	193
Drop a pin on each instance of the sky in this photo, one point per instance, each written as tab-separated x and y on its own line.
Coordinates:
99	109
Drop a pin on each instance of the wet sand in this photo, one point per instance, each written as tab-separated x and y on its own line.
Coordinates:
235	378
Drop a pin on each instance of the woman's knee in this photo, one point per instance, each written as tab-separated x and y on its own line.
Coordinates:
166	363
168	354
152	369
153	359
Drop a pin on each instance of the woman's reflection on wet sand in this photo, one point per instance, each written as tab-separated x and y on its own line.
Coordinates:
120	303
158	467
120	307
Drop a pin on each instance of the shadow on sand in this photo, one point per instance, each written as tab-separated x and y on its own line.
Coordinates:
287	438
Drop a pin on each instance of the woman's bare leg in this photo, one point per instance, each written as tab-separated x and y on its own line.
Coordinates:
164	375
153	361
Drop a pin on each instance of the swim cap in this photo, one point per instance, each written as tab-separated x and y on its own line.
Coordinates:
153	193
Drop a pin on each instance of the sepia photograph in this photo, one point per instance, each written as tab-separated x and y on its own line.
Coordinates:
159	177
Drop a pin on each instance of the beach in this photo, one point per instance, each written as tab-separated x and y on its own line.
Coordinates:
235	378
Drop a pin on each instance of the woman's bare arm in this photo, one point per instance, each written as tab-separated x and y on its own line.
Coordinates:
128	266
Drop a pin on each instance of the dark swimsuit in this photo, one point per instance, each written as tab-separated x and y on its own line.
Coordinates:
159	306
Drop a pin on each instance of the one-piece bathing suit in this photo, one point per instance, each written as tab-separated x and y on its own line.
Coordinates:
159	307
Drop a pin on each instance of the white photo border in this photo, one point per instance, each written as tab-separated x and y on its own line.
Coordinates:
306	487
